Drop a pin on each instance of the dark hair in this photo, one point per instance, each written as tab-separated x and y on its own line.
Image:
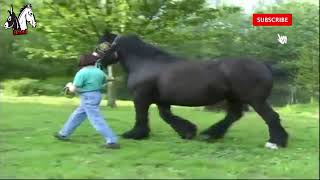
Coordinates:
87	60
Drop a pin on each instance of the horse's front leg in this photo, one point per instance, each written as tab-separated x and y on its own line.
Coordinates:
141	128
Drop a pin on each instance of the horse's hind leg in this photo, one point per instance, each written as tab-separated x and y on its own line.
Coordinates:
183	127
278	135
218	130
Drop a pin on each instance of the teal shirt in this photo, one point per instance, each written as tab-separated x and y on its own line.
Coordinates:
89	78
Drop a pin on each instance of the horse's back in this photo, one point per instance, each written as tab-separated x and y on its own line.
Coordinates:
207	82
190	83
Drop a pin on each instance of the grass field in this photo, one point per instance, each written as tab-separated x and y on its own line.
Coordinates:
28	150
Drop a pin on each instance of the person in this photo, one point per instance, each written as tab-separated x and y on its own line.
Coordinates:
88	83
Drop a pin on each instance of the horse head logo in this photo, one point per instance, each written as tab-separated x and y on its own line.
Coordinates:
20	24
26	16
12	21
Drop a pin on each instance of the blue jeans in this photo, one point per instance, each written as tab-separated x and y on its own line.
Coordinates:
89	107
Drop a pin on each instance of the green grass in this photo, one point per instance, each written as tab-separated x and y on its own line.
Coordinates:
28	149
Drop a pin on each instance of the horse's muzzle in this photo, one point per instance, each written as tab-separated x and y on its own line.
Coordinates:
6	25
34	24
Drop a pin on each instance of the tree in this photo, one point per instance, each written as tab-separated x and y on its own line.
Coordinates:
308	72
69	28
187	28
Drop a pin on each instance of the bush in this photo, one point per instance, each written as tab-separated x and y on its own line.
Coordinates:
27	86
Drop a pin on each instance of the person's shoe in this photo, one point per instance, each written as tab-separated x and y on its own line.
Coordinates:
112	146
60	137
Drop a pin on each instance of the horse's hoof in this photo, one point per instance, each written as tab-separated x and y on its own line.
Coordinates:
207	138
211	135
204	137
272	146
281	139
188	136
136	134
189	133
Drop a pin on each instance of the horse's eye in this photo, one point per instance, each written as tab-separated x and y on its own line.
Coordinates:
9	18
30	14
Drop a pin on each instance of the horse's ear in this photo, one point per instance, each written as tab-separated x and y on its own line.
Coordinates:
107	32
11	10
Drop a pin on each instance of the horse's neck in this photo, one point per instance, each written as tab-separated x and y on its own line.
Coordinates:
16	24
128	66
23	21
136	64
133	62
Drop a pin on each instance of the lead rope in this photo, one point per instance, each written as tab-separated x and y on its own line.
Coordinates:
99	65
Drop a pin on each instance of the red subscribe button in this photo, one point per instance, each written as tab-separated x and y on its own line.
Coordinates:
272	19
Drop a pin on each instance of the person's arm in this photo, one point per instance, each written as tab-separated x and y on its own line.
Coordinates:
106	79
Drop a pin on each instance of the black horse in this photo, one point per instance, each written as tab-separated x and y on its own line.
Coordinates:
155	76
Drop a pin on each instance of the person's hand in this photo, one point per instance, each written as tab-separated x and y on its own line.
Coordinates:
111	79
69	84
71	87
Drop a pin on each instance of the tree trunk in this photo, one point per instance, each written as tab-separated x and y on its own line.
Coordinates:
311	99
111	89
293	94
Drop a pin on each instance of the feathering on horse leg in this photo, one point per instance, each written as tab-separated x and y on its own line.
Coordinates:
183	127
278	135
218	130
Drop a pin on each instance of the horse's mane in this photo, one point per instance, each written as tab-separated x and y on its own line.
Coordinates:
25	6
14	15
135	45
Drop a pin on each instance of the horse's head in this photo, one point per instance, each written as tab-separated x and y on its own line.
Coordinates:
11	20
30	18
106	49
